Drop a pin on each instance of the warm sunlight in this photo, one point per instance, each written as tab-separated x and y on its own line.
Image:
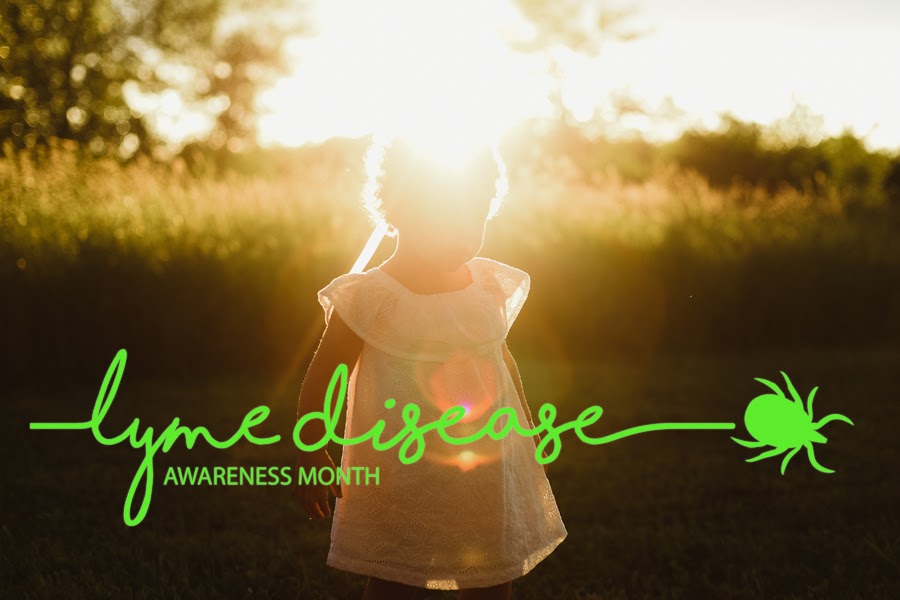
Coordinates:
552	211
397	65
403	67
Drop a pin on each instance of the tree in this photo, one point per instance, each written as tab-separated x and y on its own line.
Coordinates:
71	69
230	50
577	25
62	70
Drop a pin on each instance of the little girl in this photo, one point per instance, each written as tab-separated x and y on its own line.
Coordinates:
428	326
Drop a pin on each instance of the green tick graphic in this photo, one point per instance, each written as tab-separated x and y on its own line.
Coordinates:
774	420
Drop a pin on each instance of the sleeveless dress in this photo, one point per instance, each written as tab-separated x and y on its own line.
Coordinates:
472	515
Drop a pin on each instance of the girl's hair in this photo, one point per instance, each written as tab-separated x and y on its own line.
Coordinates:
397	173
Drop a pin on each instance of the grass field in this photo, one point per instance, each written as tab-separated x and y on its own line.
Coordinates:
675	514
200	276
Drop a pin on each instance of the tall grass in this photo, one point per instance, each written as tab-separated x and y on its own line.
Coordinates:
195	273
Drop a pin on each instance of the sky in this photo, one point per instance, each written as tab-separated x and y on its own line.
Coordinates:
403	65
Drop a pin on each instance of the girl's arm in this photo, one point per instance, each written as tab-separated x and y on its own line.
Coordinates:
517	380
339	344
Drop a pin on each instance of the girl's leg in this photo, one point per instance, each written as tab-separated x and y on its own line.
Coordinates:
383	589
501	591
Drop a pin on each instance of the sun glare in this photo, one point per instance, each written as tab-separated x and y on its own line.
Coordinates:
444	70
436	71
447	146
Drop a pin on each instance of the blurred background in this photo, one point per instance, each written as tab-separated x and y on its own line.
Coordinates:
703	193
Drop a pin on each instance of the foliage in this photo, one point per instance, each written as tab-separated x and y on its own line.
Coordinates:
99	72
744	154
63	66
195	272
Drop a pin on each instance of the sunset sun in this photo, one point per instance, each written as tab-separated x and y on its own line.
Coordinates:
444	77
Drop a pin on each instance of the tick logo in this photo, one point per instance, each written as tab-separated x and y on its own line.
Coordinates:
774	420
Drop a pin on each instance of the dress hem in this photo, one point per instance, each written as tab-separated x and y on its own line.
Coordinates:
401	575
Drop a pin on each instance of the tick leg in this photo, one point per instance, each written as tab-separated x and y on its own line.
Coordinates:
773	452
809	400
787	458
832	417
794	394
749	444
812	459
771	385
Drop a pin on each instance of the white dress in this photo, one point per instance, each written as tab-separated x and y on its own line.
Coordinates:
471	515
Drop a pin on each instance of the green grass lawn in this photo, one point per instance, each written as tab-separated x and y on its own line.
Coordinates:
673	514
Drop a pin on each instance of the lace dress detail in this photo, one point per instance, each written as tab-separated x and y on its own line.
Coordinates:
471	515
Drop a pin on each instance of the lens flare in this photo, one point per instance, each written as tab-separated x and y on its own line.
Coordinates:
465	460
463	379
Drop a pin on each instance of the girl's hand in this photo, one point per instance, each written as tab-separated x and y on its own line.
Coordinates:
314	498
